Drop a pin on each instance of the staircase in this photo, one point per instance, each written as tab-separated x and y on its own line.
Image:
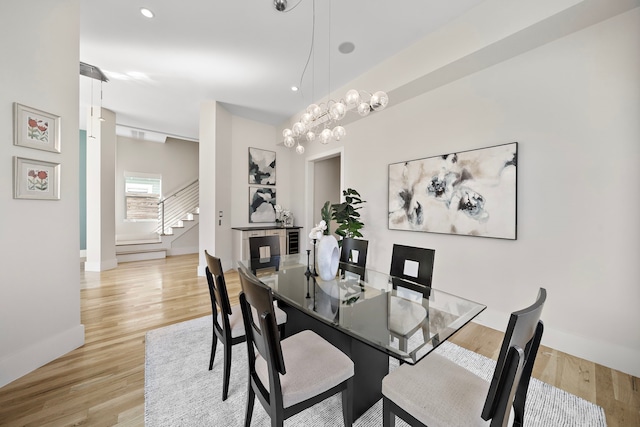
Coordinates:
177	214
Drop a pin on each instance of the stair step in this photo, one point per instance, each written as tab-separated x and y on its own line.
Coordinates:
139	251
137	242
141	256
135	248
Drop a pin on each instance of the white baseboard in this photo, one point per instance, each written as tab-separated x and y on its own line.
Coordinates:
40	353
182	251
201	270
101	266
610	355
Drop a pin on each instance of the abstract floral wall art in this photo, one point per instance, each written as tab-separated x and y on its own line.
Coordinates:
36	129
262	167
469	193
262	201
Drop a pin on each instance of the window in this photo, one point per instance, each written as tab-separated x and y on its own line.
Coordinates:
142	194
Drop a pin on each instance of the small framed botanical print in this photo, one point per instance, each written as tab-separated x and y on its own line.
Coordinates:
35	128
36	179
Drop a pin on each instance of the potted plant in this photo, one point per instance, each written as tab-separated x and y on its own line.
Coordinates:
346	214
325	212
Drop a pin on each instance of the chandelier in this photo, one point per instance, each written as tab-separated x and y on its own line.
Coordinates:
322	121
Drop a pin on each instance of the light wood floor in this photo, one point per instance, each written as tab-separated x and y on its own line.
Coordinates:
102	383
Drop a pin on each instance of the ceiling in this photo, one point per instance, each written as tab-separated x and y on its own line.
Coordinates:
242	53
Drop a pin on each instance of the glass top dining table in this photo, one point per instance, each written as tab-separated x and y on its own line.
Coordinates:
380	310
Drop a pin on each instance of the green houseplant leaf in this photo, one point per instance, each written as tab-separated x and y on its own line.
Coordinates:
346	214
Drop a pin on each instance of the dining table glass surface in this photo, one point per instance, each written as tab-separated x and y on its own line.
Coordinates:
380	310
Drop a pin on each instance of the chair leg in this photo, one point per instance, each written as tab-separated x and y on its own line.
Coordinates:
227	370
388	417
347	404
403	343
250	400
281	328
214	341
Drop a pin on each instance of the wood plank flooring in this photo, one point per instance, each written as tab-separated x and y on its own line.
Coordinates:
102	382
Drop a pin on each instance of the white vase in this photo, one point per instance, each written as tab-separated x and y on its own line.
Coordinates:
328	257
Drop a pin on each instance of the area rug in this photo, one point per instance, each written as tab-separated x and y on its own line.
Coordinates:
181	391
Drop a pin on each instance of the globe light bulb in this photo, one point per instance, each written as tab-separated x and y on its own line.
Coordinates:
314	110
337	111
287	132
352	98
339	132
311	136
300	149
325	136
364	109
379	100
289	142
297	129
306	119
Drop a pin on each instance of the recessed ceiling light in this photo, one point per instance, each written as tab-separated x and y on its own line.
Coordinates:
346	47
295	88
146	12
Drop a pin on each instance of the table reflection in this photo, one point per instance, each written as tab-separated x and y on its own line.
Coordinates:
367	309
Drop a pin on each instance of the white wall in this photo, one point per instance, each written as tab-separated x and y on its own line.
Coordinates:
40	281
208	179
176	161
223	167
248	133
327	188
573	105
100	191
224	142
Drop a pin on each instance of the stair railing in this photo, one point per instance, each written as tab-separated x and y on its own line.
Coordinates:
177	205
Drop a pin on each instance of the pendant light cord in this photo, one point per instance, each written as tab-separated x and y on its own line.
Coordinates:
311	51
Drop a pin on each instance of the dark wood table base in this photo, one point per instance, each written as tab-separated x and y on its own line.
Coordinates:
370	364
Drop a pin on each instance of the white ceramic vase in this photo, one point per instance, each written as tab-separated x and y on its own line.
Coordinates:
328	257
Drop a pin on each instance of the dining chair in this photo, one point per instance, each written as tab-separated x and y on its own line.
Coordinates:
228	326
353	256
292	374
264	252
413	264
437	392
411	271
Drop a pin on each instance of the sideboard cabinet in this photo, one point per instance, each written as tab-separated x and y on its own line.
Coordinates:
289	240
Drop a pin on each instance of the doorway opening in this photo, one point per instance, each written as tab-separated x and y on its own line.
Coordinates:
324	183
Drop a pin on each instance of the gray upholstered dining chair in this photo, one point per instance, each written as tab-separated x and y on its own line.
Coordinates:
228	326
437	392
411	271
353	256
264	252
293	374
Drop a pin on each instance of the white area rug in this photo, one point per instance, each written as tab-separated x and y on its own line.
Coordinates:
181	391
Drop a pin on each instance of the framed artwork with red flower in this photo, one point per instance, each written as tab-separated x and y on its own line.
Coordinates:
35	128
36	179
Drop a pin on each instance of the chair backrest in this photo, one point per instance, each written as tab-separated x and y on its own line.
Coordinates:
420	260
259	262
515	363
347	255
217	288
413	265
256	302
